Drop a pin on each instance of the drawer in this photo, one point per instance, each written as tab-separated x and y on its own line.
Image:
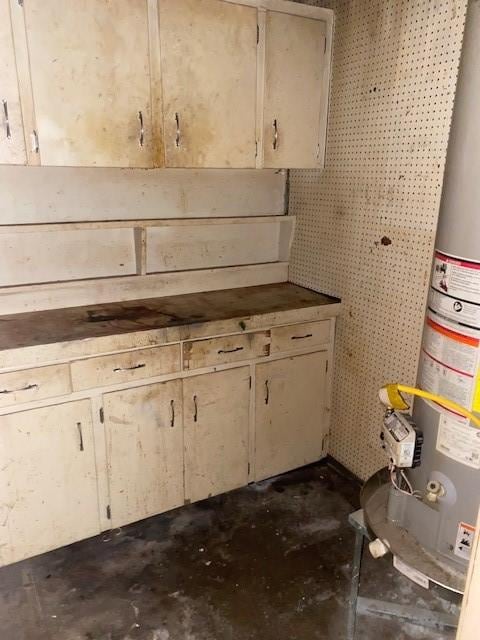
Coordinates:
34	384
124	367
298	336
245	346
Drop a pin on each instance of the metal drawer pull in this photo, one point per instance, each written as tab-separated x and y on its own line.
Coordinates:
6	120
80	435
142	130
27	388
172	415
230	350
267	392
275	135
307	335
135	366
195	413
177	134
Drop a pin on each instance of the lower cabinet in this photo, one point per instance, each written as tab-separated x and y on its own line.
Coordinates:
48	480
144	437
216	419
165	443
290	416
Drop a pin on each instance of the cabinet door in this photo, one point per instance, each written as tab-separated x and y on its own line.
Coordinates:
91	81
48	484
294	67
144	436
12	143
216	411
208	51
290	400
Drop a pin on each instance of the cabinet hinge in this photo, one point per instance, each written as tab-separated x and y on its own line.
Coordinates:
256	148
325	46
250	382
258	34
248	470
102	415
326	367
109	512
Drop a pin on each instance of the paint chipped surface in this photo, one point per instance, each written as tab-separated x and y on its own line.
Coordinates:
271	561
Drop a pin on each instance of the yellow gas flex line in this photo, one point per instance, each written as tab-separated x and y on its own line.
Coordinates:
391	396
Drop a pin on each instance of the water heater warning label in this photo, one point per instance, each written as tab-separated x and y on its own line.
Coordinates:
440	379
457	440
456	277
455	290
447	345
450	360
466	313
464	541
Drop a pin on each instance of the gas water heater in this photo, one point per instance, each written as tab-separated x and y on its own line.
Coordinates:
424	508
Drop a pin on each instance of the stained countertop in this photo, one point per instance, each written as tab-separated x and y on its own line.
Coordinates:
94	321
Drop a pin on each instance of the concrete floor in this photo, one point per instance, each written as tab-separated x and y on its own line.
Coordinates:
268	562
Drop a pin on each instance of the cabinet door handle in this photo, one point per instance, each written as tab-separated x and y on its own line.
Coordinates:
142	130
267	392
195	411
26	388
230	350
307	335
177	133
132	368
275	135
6	120
80	435
172	413
34	141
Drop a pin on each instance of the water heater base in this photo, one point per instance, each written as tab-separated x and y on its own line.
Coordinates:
374	502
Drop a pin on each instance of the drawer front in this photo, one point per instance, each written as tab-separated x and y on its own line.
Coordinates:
297	336
124	367
34	384
246	346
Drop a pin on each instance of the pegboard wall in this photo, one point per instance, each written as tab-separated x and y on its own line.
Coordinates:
366	224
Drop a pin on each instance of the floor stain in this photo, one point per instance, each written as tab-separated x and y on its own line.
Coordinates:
271	561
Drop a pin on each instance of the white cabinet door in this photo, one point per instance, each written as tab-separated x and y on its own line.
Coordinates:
91	81
294	91
48	481
12	143
208	51
216	418
290	416
144	434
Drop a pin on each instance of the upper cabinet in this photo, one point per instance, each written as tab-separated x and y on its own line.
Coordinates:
294	93
175	83
90	77
12	143
209	58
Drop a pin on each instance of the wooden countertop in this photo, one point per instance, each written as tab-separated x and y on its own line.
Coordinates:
94	321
